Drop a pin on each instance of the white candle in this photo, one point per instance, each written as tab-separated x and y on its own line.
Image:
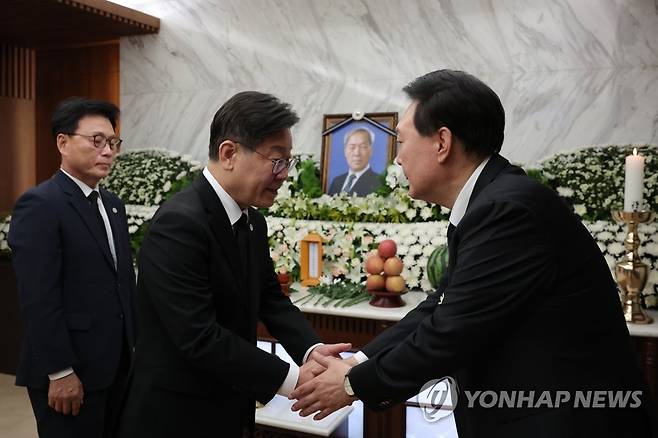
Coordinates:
634	182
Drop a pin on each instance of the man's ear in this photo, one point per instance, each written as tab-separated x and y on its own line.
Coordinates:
226	154
62	141
443	141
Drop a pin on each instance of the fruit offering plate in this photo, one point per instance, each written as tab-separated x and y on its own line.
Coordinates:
383	298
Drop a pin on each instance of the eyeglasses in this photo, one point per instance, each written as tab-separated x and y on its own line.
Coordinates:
100	141
278	164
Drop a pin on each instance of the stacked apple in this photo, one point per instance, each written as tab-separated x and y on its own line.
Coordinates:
384	269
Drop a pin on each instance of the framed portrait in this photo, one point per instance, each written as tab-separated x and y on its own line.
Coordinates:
356	149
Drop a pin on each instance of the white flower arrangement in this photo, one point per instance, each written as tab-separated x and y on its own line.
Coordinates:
149	177
138	215
347	244
592	178
4	231
395	207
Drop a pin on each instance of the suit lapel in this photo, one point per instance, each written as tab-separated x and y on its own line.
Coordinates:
220	226
81	205
496	166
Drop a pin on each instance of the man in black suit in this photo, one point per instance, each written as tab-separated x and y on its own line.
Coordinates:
527	304
206	278
71	254
360	179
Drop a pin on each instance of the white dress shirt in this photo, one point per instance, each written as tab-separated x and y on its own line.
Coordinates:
86	190
456	214
234	213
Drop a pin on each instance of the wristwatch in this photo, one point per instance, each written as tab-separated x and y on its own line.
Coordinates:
348	385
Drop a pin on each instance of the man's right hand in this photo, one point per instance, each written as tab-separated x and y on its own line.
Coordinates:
308	371
65	395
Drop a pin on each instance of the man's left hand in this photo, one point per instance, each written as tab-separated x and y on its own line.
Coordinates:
326	392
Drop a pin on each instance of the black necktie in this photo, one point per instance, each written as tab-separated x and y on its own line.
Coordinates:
93	202
349	183
241	229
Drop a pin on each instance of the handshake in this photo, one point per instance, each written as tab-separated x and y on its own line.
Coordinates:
321	383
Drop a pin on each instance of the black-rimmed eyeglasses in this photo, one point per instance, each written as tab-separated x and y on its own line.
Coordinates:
100	141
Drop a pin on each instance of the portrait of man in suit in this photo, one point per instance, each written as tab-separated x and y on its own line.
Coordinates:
72	258
508	314
206	278
360	178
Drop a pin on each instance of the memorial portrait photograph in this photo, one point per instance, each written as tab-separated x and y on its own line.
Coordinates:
356	152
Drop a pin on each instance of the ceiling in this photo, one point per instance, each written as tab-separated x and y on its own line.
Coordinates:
44	23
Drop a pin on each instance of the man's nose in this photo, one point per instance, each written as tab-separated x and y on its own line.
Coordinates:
107	150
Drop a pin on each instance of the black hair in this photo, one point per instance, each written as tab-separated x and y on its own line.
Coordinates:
69	112
249	118
462	103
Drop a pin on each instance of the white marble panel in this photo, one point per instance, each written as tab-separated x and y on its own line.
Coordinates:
569	72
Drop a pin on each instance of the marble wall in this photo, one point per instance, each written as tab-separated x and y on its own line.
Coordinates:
570	73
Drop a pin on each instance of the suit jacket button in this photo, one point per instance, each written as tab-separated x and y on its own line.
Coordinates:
120	315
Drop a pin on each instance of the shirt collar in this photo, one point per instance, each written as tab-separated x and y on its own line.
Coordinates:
461	203
86	190
232	208
359	173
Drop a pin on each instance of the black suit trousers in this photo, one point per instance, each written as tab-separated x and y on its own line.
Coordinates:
98	415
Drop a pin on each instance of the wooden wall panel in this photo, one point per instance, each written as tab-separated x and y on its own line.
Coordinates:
89	71
17	118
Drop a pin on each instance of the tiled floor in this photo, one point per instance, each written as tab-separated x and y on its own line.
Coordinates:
16	419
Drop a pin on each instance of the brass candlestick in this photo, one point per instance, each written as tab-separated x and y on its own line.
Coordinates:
631	273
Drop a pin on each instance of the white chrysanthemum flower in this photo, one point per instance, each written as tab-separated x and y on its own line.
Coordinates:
424	239
595	227
615	248
428	250
410	240
565	192
651	249
426	213
580	209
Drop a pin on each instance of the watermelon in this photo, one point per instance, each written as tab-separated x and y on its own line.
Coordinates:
437	264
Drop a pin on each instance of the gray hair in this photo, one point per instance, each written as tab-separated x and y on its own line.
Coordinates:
371	135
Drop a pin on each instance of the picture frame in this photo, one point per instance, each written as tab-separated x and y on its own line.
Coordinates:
344	151
311	263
